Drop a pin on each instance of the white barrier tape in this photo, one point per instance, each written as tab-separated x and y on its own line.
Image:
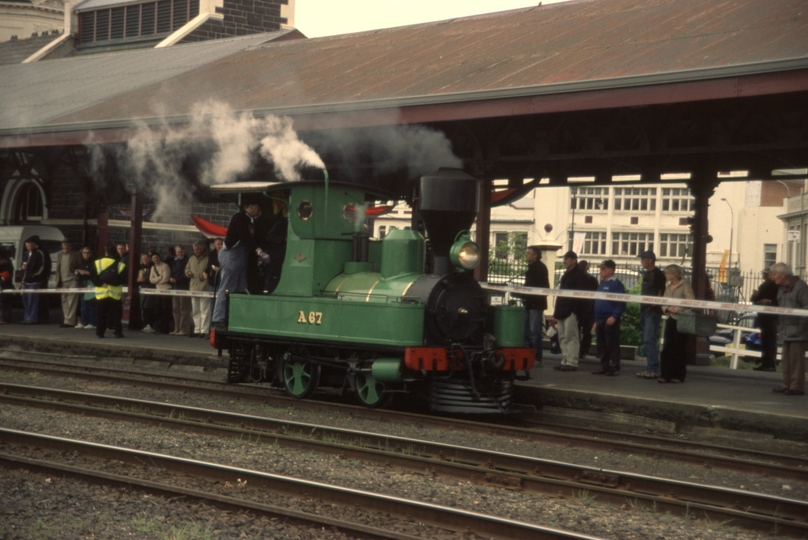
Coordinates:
59	290
535	291
81	290
654	300
173	292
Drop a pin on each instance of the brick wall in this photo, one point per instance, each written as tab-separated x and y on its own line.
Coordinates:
242	17
772	193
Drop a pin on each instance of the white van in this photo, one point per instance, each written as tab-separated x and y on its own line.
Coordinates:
12	242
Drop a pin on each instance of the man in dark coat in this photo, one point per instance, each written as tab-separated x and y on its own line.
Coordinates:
587	318
653	284
567	311
239	249
535	306
766	295
34	266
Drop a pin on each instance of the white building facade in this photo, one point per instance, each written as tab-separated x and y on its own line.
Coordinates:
621	221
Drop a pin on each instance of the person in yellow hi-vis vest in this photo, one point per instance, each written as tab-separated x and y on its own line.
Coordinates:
108	275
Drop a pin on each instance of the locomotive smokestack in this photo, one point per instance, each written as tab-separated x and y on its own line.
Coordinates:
448	205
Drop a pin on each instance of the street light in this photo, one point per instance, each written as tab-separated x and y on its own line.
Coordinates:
731	230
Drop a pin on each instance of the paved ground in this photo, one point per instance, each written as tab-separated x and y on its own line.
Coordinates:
710	397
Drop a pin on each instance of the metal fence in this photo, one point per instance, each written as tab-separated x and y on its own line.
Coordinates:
729	285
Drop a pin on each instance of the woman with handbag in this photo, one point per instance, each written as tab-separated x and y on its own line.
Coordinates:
673	360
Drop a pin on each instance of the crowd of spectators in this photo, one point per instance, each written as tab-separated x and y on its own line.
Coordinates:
575	319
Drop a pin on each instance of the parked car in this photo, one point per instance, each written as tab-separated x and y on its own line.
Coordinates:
749	338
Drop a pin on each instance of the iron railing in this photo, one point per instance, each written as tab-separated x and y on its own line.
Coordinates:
728	285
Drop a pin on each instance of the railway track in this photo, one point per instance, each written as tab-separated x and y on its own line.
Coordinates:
699	453
510	471
451	519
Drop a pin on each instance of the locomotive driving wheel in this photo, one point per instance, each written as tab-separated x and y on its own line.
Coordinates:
299	377
370	392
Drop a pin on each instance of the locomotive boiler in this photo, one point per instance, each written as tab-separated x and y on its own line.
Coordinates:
363	316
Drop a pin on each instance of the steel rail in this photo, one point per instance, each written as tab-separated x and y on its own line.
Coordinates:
504	470
223	501
763	463
435	515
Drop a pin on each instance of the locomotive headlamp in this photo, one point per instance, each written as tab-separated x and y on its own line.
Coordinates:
465	254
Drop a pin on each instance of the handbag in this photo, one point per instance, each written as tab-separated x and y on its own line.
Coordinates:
696	324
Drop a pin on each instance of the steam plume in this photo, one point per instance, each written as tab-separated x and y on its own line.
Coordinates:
221	145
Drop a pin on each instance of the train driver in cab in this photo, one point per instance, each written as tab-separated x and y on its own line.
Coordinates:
234	256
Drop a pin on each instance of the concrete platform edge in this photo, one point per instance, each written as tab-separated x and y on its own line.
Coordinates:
683	415
112	348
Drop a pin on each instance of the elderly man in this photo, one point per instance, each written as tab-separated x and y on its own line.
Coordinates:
67	265
793	330
567	311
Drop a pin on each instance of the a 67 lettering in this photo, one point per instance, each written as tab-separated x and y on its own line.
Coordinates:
313	317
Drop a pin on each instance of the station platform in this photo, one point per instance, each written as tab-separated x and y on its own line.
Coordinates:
711	397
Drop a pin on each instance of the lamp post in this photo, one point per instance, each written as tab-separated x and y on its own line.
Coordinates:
731	230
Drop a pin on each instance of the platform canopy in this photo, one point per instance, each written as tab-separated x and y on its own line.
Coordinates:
593	88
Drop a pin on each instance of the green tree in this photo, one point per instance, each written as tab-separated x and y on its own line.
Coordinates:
631	321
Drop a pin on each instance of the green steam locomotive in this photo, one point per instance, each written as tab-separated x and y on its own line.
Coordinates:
363	316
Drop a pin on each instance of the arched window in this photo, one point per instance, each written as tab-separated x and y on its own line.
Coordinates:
28	203
23	199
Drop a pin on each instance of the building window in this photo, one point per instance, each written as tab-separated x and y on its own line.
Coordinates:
382	231
769	255
589	198
677	200
635	220
631	244
28	205
674	245
594	243
133	21
636	199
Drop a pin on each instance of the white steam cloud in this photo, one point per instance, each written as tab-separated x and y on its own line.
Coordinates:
220	145
391	148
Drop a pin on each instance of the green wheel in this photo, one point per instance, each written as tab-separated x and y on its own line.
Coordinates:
300	378
370	392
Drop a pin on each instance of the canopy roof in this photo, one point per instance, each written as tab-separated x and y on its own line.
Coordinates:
557	50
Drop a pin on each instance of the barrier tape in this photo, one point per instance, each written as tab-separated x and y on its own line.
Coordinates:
653	300
80	290
535	291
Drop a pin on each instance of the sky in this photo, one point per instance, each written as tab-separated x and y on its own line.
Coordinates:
316	18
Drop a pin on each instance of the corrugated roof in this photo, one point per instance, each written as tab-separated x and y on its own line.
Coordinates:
37	93
591	42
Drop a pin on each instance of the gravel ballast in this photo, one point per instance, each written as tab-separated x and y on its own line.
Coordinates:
38	500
